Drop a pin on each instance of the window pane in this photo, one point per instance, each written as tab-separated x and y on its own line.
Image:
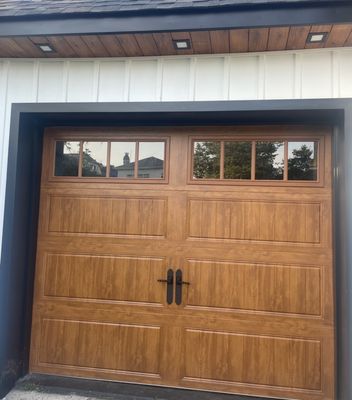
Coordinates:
67	158
302	161
206	164
238	160
269	161
122	159
151	160
94	158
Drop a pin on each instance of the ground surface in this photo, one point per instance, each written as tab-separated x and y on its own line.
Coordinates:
30	395
46	387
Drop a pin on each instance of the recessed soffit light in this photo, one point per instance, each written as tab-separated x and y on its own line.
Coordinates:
317	37
46	48
182	44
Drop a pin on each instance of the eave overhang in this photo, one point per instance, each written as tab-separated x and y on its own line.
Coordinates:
152	33
254	16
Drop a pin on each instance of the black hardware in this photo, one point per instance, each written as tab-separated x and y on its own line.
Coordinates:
179	283
170	285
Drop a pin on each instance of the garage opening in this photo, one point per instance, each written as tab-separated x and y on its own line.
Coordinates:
187	257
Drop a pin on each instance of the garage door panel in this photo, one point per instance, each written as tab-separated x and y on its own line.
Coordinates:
119	347
123	279
258	360
255	220
286	325
258	315
261	252
117	216
255	287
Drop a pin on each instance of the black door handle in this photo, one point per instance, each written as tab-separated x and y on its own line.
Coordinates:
179	283
170	286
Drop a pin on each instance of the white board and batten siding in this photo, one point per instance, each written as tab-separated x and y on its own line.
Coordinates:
322	73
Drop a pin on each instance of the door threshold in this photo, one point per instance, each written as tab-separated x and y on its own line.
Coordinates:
107	390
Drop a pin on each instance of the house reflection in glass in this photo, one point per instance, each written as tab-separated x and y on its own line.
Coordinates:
150	167
150	164
122	159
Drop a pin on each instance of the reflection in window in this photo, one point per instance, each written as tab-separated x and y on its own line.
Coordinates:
302	161
122	159
94	158
206	160
67	158
238	160
269	162
151	160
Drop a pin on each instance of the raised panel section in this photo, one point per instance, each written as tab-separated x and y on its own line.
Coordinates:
249	359
98	215
254	220
117	347
255	287
125	279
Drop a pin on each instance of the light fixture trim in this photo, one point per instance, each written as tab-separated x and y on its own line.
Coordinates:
317	37
46	48
182	44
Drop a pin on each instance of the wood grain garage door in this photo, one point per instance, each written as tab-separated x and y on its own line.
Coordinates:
191	257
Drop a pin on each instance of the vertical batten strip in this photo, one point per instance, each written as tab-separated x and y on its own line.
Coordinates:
297	76
4	77
192	80
3	116
159	79
335	67
128	64
96	78
226	88
4	112
65	81
261	77
35	81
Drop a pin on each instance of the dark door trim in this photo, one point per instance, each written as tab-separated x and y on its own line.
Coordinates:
22	199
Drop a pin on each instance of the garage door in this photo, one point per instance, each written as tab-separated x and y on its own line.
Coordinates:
188	257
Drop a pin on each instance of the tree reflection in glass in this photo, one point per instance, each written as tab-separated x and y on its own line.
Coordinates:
67	158
302	161
238	160
206	160
94	159
269	162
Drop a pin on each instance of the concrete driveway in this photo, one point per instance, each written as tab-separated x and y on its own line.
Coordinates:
46	387
33	395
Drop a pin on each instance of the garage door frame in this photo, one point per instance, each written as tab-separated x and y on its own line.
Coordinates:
22	196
